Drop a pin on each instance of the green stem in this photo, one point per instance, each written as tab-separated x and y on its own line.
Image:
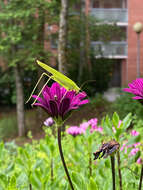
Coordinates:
30	187
62	158
119	170
141	177
90	165
113	171
52	172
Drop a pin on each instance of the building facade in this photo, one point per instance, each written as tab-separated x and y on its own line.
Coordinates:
125	13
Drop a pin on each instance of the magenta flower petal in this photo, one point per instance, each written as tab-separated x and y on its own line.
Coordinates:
46	96
70	94
53	108
55	91
38	99
44	107
139	161
64	106
136	88
74	131
81	95
46	92
63	91
137	97
134	133
83	102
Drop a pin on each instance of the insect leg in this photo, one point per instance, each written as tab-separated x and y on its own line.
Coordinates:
42	90
37	85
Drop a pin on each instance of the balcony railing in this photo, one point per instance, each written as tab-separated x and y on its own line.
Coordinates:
110	15
110	49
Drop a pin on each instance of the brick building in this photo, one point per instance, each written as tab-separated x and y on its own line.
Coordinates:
125	13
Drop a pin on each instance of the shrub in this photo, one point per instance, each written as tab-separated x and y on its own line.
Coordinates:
125	104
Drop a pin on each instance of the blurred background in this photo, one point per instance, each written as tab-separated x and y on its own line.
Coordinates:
91	41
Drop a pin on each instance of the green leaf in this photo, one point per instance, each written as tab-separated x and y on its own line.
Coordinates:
115	120
107	126
35	179
127	120
78	181
134	140
92	184
12	184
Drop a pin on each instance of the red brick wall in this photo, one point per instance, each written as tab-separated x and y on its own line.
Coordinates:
135	14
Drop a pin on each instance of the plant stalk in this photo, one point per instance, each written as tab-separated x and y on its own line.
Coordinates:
52	172
119	170
30	187
90	165
62	158
113	171
141	177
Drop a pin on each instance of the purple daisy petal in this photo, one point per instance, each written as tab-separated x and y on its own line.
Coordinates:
137	97
64	106
46	95
83	102
38	99
81	95
43	106
53	108
136	88
70	94
55	91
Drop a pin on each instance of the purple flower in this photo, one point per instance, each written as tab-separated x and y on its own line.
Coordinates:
75	130
58	102
134	151
100	129
137	144
139	161
84	125
49	122
136	88
93	123
134	133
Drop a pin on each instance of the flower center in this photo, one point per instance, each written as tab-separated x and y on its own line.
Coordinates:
55	97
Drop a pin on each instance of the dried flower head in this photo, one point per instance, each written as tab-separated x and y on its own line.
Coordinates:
107	149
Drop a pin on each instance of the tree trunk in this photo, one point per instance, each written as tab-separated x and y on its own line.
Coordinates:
82	41
40	42
19	102
62	43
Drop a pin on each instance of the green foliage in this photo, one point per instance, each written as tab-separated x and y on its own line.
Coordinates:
116	128
22	40
125	104
101	72
30	164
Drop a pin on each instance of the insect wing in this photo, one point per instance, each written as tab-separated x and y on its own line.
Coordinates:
59	77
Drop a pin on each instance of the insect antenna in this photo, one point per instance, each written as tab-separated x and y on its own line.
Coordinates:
37	85
84	83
